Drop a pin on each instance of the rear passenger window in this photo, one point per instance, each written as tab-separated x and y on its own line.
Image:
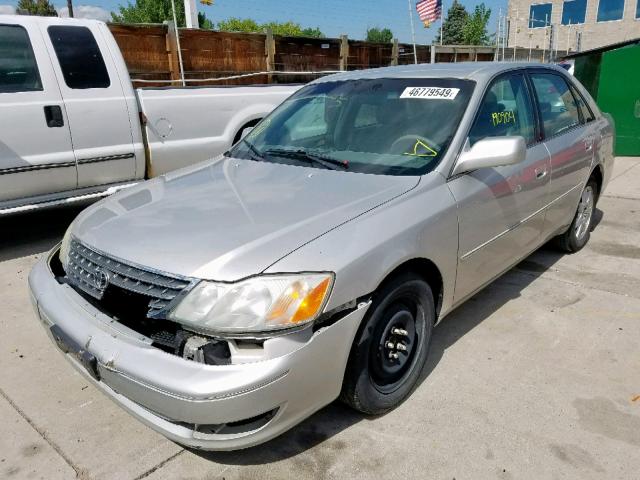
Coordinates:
585	112
79	56
18	68
505	111
558	107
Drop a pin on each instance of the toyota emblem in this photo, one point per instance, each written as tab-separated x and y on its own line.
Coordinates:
101	279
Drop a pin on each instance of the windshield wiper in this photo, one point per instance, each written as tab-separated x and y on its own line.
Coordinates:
256	154
309	157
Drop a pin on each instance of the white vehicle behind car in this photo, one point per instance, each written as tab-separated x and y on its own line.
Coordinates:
72	126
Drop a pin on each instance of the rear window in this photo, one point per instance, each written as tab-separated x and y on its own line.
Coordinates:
18	68
79	56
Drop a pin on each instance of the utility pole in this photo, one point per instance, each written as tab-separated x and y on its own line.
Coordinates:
413	33
496	57
175	23
544	44
515	36
505	32
70	8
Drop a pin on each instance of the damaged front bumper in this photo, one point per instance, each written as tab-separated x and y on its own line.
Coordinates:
263	392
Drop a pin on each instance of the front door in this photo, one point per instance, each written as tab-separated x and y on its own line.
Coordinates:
501	209
95	102
36	155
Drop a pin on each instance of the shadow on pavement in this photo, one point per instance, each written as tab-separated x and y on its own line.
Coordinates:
34	232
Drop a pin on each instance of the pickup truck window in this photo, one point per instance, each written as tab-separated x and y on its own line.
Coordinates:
79	56
392	126
18	67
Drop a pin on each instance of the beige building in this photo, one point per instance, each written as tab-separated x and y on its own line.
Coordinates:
571	24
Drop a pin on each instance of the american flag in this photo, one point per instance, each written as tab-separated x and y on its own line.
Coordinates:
429	10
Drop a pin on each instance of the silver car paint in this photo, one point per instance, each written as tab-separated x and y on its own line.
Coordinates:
472	227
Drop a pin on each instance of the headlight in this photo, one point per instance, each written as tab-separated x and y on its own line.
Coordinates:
64	248
259	304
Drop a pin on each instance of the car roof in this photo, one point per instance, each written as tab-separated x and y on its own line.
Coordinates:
479	71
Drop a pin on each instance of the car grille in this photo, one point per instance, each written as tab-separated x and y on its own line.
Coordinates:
93	273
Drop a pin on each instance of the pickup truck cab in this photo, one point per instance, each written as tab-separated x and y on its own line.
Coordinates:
223	303
73	127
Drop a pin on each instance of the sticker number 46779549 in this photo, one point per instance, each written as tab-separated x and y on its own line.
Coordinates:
430	92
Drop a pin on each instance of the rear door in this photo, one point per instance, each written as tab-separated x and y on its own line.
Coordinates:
36	155
501	209
95	103
570	136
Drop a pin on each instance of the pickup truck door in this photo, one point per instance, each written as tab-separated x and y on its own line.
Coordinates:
36	155
501	209
95	100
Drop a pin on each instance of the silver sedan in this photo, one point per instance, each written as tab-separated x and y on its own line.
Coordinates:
224	303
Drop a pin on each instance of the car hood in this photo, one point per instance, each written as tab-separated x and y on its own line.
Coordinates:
229	219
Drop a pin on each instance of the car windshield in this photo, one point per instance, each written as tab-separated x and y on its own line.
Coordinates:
377	126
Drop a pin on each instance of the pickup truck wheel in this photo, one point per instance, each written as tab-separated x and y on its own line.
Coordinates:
579	232
391	348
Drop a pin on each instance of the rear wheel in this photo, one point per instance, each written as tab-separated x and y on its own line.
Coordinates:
391	348
579	232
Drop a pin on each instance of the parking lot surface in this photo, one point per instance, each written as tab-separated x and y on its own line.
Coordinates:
537	376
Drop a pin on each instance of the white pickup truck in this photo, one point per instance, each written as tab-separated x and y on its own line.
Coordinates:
73	127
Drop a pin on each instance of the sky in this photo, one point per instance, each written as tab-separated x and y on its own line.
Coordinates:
333	17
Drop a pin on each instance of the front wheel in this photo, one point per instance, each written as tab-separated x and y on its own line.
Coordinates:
579	232
391	348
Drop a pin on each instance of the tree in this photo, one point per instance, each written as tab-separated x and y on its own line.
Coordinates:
313	33
233	24
204	22
36	7
454	24
475	30
149	11
155	11
378	35
286	29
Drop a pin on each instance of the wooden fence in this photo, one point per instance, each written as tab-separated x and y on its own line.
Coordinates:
151	53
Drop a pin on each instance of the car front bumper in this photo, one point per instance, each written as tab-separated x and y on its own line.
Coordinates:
191	402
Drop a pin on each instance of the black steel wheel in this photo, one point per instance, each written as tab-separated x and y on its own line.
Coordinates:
391	347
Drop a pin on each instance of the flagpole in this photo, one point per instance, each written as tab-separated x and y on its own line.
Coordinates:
441	20
413	33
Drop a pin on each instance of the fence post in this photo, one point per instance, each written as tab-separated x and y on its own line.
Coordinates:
432	50
172	51
270	53
344	52
395	52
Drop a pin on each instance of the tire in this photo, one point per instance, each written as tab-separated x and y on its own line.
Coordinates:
579	232
402	312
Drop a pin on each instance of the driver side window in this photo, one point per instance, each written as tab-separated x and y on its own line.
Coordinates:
505	111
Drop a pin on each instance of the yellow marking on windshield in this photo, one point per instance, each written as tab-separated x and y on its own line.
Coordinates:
430	152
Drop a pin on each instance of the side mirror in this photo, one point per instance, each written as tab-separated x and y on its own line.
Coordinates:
245	132
491	152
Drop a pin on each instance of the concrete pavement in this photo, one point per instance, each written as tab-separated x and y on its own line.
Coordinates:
537	376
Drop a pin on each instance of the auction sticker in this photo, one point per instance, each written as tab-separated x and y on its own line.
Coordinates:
430	92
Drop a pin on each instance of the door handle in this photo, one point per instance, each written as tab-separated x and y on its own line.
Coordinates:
53	116
540	173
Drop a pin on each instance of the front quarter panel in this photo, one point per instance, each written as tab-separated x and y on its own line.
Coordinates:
422	223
